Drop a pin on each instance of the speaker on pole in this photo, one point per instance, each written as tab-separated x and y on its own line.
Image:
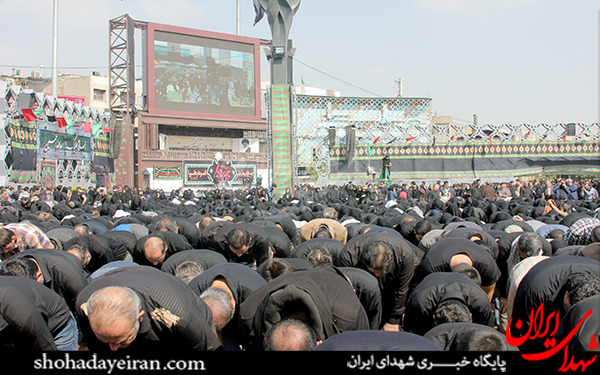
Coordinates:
350	141
331	136
26	100
3	105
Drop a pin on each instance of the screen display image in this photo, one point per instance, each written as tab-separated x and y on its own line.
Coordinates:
199	74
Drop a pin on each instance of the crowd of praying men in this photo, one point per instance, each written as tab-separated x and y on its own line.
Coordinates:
373	266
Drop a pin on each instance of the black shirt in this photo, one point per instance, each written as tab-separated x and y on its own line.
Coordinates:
581	341
102	249
394	285
367	290
375	340
437	259
438	287
333	246
31	315
125	237
287	225
62	272
159	291
259	248
328	297
242	280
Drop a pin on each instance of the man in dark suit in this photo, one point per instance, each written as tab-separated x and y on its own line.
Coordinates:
142	308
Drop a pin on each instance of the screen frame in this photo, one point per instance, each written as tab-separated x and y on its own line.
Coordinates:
150	72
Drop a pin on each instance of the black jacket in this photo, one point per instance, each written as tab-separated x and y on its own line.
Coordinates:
31	315
328	299
437	259
62	272
159	291
259	248
438	287
394	285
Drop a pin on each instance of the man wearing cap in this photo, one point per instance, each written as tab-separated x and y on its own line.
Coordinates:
323	228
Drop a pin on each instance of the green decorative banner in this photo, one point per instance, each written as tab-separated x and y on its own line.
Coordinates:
102	146
470	150
68	142
167	173
282	136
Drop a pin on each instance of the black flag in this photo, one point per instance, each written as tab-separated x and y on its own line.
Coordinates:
260	12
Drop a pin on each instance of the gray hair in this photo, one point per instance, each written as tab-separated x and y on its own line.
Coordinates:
167	224
188	270
218	301
513	228
105	304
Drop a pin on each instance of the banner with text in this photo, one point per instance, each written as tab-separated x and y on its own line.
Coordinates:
282	137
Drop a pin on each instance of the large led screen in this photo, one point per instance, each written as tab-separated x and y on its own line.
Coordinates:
197	73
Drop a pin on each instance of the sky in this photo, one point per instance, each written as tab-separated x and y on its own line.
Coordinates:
506	61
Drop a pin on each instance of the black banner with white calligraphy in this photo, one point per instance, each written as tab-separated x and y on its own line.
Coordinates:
23	157
222	172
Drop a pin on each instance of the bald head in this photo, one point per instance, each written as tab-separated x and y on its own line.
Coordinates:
155	250
290	335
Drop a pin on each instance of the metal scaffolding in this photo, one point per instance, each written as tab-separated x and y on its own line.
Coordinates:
122	64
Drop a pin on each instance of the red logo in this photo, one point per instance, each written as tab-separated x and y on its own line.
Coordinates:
543	326
222	172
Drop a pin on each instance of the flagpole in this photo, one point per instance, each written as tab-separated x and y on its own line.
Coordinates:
54	51
238	31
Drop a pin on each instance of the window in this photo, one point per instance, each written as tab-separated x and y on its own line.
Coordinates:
99	94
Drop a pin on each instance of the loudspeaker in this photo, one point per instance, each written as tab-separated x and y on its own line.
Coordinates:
3	105
571	130
350	141
26	100
115	136
331	136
